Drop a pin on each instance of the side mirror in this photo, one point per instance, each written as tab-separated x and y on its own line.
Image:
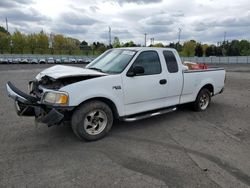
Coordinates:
137	70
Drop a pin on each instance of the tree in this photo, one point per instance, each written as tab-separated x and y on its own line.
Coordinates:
204	48
3	30
209	51
244	47
158	45
98	47
59	42
129	44
178	47
32	42
72	45
218	51
42	42
19	41
84	43
85	47
198	50
4	42
213	50
189	48
233	48
171	45
116	43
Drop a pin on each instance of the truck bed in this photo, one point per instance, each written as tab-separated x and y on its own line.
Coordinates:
193	80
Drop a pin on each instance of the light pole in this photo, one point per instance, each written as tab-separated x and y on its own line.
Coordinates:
179	35
11	45
109	36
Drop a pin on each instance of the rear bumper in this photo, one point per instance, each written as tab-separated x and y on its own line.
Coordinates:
27	105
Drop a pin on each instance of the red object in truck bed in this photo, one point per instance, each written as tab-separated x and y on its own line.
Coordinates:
198	66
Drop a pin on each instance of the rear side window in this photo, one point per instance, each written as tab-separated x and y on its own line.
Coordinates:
150	61
170	61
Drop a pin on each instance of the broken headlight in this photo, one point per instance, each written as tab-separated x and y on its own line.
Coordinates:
59	98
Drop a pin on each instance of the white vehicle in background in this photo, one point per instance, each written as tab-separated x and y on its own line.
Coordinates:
16	60
79	60
65	60
1	60
58	60
125	83
24	61
34	61
10	60
72	60
42	60
50	60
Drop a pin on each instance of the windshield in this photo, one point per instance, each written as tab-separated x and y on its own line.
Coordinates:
112	61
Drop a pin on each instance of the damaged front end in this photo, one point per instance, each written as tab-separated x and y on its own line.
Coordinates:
45	101
28	105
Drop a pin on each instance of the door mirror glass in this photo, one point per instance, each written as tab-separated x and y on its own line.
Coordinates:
137	70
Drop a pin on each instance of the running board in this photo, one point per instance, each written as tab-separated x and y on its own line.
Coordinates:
144	116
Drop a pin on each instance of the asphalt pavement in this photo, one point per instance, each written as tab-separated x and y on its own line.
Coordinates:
179	149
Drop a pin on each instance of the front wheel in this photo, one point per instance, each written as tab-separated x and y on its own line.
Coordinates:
203	100
92	120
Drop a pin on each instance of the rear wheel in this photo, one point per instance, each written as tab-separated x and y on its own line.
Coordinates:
203	100
92	120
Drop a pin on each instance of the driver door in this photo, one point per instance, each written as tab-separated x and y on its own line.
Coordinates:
148	90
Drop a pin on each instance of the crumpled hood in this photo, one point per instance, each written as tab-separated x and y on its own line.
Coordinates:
62	71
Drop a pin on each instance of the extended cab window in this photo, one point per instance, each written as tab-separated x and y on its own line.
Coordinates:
150	61
170	61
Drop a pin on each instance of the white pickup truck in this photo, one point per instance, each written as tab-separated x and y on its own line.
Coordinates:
125	83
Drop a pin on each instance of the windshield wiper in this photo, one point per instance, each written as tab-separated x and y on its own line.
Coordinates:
97	69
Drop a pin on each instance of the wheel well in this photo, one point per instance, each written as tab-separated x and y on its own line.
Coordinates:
106	101
209	87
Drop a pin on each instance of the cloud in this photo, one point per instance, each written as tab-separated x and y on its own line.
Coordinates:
177	14
204	21
69	29
162	19
155	30
19	16
122	34
138	2
228	22
77	19
14	3
94	8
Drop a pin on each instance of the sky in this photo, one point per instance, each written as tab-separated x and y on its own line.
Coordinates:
206	21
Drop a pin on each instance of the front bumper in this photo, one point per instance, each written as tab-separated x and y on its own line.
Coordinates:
27	105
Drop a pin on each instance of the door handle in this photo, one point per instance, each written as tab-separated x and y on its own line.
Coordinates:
163	81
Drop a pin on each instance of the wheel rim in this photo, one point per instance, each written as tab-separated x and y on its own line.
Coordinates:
95	122
204	101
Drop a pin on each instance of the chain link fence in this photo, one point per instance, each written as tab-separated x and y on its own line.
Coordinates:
215	59
17	58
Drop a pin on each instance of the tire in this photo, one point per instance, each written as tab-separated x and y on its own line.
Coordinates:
202	101
92	120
